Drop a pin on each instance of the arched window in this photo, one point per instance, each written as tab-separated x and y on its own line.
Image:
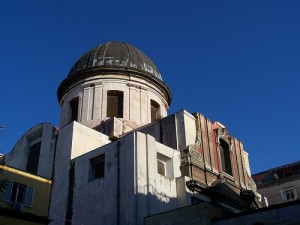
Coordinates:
225	157
115	104
74	103
154	111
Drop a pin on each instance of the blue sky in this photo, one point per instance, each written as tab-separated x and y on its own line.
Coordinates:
236	62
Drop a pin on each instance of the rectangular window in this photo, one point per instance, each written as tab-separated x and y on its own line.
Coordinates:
161	167
97	167
74	103
164	165
154	110
18	194
33	158
115	104
289	194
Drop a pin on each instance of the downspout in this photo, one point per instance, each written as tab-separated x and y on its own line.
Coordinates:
53	170
54	154
147	172
129	96
69	207
135	174
118	183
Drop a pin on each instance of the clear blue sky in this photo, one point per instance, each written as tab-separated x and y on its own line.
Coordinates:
236	62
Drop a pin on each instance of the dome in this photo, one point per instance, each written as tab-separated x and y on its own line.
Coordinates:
116	80
115	55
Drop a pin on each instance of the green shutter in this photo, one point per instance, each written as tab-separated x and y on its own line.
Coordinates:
29	195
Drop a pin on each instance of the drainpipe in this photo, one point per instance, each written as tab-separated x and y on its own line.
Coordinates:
118	183
53	170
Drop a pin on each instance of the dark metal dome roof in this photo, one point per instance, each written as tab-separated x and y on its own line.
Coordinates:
115	55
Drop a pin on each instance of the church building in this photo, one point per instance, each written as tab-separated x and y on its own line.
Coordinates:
117	157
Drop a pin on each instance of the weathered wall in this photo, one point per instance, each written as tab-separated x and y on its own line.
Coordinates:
46	134
180	130
175	131
155	192
195	214
92	96
86	139
96	198
73	140
130	189
59	192
285	214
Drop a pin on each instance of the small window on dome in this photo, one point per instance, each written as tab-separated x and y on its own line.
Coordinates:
115	104
154	111
74	103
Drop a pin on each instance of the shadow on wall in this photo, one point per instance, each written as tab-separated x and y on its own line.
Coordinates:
159	201
153	203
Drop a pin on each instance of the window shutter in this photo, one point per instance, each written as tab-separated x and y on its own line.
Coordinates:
283	195
29	195
7	191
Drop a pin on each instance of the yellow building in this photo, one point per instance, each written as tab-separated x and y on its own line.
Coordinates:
25	199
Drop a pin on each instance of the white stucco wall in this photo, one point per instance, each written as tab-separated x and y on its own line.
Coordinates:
95	201
59	191
73	140
186	129
130	189
85	139
156	193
